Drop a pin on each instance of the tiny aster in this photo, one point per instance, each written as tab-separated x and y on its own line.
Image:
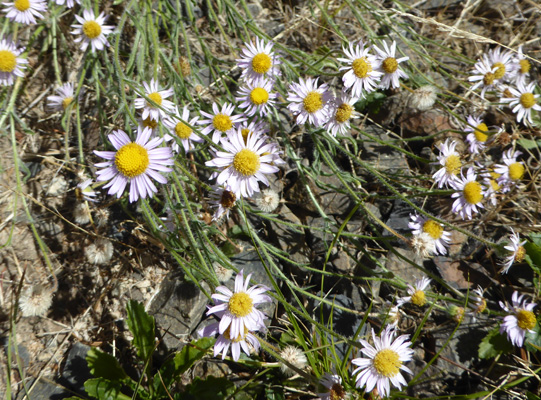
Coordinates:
259	61
256	97
11	65
92	31
421	224
135	163
511	171
522	67
362	70
416	293
237	309
25	11
223	199
86	192
383	363
157	96
484	76
523	101
477	301
469	195
516	249
502	60
68	3
333	383
449	159
247	342
390	66
520	321
220	122
179	129
62	99
478	135
341	112
492	187
309	101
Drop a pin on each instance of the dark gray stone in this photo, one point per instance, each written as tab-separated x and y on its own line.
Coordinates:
76	371
43	389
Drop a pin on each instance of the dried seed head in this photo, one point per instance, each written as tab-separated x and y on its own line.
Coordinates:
81	214
185	68
423	244
294	356
267	200
423	98
222	273
99	252
35	300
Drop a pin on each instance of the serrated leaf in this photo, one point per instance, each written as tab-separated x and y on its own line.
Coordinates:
103	365
493	344
209	389
142	328
104	389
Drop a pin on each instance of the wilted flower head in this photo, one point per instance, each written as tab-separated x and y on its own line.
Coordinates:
35	300
294	356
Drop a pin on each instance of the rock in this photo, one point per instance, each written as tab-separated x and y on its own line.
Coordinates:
43	389
429	122
76	371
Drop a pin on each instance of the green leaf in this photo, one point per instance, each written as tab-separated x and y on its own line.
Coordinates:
104	389
142	328
209	389
493	344
531	396
533	255
533	339
103	365
529	144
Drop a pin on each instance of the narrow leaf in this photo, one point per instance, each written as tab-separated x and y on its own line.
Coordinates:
142	328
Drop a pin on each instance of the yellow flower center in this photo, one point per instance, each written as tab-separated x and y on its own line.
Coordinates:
66	102
21	5
259	96
156	98
240	304
500	71
525	319
418	298
246	162
516	171
473	192
91	29
488	79
494	184
387	362
150	123
481	307
312	102
453	164
343	112
525	66
527	100
245	132
480	132
227	335
222	122
131	160
519	255
228	199
389	65
261	63
434	229
361	67
182	130
8	61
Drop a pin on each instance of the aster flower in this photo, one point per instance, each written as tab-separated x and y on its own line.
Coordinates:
244	165
511	171
25	11
149	123
362	68
11	64
92	30
469	194
502	60
341	111
477	301
256	97
333	383
523	101
153	93
237	310
516	249
383	363
62	99
247	342
484	76
522	67
421	224
492	187
520	320
179	129
309	101
86	192
449	159
135	163
259	61
220	122
478	135
416	293
69	3
255	126
390	66
223	199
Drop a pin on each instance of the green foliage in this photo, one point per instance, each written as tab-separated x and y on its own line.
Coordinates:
493	344
104	389
104	365
211	388
142	328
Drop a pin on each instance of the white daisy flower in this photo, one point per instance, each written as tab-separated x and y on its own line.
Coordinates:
469	194
62	99
255	126
523	101
492	187
92	30
421	224
416	293
362	68
149	123
179	129
86	191
247	343
333	383
309	102
237	309
522	68
259	61
484	76
520	321
511	171
390	66
223	199
153	93
25	11
341	111
385	359
220	122
244	165
516	249
11	64
503	62
68	3
256	97
478	135
477	301
135	163
449	159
